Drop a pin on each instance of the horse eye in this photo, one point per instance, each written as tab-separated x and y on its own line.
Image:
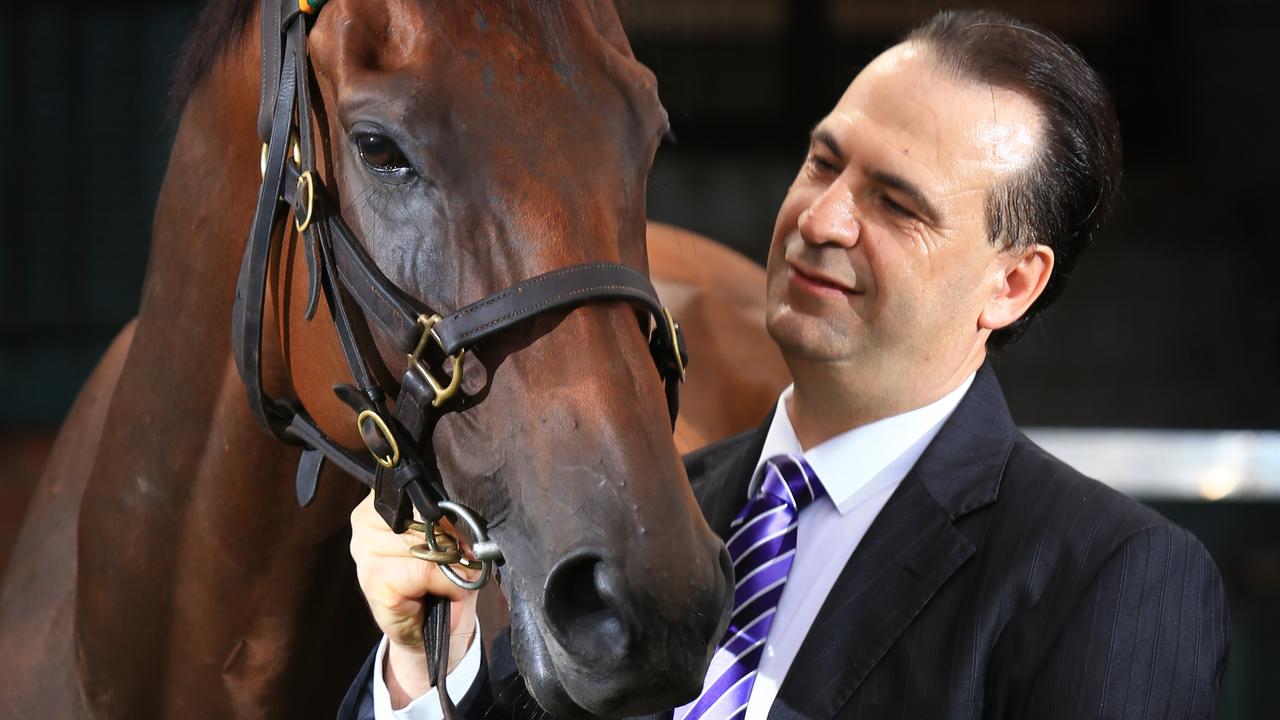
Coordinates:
379	153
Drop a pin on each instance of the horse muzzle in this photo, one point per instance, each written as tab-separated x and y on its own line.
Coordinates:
602	643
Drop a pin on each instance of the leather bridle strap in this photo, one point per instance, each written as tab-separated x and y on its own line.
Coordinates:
251	287
402	468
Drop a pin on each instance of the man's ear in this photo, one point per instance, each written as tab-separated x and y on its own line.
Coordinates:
1021	277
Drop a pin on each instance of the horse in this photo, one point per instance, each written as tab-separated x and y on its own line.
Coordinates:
164	568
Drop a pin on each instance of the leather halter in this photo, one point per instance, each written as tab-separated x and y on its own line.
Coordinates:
401	466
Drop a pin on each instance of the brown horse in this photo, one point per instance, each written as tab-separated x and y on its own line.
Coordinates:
165	570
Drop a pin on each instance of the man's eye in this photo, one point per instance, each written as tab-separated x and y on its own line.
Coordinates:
895	207
380	153
822	164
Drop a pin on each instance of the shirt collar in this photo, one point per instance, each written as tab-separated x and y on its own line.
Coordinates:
861	462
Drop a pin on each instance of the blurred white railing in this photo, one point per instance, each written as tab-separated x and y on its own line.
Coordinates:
1172	464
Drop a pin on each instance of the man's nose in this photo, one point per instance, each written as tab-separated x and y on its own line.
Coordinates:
832	218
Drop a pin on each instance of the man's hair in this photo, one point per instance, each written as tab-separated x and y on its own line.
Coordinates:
1065	195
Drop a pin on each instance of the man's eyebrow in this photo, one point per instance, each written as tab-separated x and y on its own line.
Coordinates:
819	135
906	187
896	182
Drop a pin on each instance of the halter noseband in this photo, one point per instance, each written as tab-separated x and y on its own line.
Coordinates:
401	467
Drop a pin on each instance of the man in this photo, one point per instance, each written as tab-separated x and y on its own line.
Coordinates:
946	566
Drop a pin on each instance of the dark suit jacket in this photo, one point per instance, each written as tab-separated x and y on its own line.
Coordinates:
997	582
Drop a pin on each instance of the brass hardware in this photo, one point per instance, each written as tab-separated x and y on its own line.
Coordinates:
442	548
443	392
394	458
297	155
428	325
304	223
445	552
675	341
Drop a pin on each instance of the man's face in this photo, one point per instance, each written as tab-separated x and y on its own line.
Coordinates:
880	256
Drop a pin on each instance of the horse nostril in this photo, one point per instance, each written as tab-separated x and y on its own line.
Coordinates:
579	605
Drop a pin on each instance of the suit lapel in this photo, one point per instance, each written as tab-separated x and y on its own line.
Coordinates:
910	551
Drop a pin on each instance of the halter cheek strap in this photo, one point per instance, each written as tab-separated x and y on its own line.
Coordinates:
400	464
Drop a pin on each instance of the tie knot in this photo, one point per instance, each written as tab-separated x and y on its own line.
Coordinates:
790	479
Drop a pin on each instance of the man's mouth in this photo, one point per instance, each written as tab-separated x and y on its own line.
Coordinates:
818	282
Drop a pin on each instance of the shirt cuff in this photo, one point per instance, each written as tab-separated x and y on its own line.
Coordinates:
427	706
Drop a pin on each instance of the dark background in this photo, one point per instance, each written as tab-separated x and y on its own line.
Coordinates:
1171	322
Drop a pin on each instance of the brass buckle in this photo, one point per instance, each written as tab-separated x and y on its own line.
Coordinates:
443	392
675	340
304	223
394	458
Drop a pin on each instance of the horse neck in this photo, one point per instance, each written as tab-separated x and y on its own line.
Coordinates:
188	531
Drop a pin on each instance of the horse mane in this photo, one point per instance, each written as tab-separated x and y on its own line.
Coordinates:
220	25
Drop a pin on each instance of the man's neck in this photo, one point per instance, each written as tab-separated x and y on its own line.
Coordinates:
829	399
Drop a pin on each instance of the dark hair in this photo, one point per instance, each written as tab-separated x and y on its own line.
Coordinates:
1064	197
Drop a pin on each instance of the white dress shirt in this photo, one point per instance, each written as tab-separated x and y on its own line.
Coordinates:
425	707
860	469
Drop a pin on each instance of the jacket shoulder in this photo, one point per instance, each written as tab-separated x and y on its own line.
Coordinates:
1035	476
1102	592
1065	529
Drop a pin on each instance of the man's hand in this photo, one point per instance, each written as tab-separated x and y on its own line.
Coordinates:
394	583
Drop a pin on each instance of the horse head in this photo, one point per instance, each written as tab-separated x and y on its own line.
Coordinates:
469	147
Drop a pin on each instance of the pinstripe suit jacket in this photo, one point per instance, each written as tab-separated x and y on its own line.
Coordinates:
997	582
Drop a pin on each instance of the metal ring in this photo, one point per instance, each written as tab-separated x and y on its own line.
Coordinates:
304	223
297	155
394	458
484	549
446	552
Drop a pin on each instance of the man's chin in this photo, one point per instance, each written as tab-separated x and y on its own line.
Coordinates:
808	337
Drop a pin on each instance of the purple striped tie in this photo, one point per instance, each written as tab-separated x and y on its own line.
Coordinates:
762	545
